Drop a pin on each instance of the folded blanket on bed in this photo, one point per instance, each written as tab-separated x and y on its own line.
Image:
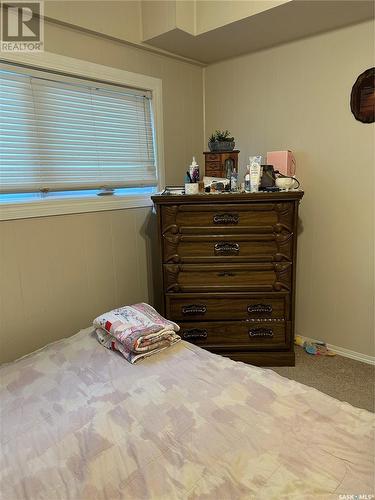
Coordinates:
110	342
137	331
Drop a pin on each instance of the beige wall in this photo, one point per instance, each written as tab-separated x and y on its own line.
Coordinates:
119	19
296	96
58	273
211	14
158	16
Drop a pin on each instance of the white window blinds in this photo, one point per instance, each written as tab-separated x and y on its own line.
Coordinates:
57	134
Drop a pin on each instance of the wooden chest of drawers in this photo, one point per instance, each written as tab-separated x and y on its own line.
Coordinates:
228	265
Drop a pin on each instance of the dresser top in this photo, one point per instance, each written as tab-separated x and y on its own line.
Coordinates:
220	152
261	196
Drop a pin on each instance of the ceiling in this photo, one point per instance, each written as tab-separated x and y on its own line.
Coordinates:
290	21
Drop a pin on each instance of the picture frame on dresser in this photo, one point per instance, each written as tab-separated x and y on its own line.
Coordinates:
229	268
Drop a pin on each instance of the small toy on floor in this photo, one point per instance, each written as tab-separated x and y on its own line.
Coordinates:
316	348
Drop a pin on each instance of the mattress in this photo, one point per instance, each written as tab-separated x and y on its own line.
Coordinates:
79	422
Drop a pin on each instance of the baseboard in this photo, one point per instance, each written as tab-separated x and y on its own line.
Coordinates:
347	353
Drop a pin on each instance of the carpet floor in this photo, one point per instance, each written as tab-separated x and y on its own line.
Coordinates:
342	378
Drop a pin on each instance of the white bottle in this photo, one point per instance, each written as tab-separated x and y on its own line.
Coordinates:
254	172
247	179
233	180
194	171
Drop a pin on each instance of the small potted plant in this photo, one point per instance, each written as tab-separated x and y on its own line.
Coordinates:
221	141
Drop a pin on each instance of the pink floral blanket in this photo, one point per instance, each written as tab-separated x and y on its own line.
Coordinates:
78	423
136	331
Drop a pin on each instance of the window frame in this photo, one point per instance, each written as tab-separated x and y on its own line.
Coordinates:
83	69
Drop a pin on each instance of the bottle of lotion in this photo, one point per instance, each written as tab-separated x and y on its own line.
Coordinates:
254	177
255	171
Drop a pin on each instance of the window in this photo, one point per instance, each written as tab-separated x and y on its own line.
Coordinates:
60	133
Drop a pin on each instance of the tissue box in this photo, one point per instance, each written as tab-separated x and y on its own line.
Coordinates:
283	161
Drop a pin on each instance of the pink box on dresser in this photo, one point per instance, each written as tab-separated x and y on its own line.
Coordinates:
283	161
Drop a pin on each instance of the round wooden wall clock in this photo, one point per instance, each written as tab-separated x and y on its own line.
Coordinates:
362	98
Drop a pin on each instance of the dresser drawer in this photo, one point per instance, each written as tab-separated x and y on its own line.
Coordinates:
228	218
237	335
213	165
212	157
214	169
228	277
227	248
203	307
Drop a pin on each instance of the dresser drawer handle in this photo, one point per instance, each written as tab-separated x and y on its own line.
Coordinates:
226	218
259	308
194	309
194	333
226	273
260	332
226	248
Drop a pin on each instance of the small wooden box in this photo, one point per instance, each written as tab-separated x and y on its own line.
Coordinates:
215	162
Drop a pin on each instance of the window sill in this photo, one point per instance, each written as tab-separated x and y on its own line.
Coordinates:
51	207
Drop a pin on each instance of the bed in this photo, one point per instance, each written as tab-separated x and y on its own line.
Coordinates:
79	422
